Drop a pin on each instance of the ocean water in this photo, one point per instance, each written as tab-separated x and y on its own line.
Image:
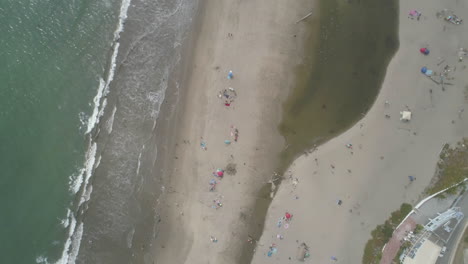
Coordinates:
79	99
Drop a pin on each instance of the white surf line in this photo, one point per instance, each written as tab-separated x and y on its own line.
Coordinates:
72	244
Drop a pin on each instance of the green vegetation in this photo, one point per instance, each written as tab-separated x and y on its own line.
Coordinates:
418	229
382	234
452	168
402	249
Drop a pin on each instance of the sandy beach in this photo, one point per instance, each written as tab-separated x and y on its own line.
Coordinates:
261	43
371	179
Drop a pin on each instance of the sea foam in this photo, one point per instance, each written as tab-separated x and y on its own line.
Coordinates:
81	180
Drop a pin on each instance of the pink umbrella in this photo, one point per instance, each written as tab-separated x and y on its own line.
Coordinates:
220	173
413	13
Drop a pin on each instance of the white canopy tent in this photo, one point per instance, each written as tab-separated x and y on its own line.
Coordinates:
405	116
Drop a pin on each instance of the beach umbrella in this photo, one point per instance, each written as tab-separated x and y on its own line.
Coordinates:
423	69
413	13
288	215
424	51
220	173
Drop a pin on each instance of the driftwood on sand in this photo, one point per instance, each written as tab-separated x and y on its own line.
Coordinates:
305	17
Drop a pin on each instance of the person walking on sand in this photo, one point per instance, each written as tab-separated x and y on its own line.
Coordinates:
230	75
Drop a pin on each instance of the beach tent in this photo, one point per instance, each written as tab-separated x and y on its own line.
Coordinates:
405	116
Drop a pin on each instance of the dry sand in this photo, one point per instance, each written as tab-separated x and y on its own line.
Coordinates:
385	151
263	50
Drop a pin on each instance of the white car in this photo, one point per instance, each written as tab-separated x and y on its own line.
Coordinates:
442	252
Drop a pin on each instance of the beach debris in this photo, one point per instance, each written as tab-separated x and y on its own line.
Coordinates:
405	116
212	185
302	252
213	239
272	250
230	75
304	18
219	173
295	181
449	16
279	236
227	142
217	204
414	14
349	145
453	19
250	239
424	51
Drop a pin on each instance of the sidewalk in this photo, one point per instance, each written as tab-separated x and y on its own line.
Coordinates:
392	247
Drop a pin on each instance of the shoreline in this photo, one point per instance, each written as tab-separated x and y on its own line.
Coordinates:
261	80
370	179
348	58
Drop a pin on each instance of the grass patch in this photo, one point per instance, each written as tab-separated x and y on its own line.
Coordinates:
382	234
418	229
402	249
452	168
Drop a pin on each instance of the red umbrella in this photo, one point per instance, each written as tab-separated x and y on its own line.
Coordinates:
424	51
220	173
288	215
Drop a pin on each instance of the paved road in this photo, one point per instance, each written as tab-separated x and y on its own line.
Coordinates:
458	232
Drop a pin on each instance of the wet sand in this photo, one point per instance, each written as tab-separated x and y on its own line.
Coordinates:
261	43
371	179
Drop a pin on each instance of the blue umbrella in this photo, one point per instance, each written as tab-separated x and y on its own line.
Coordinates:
423	69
